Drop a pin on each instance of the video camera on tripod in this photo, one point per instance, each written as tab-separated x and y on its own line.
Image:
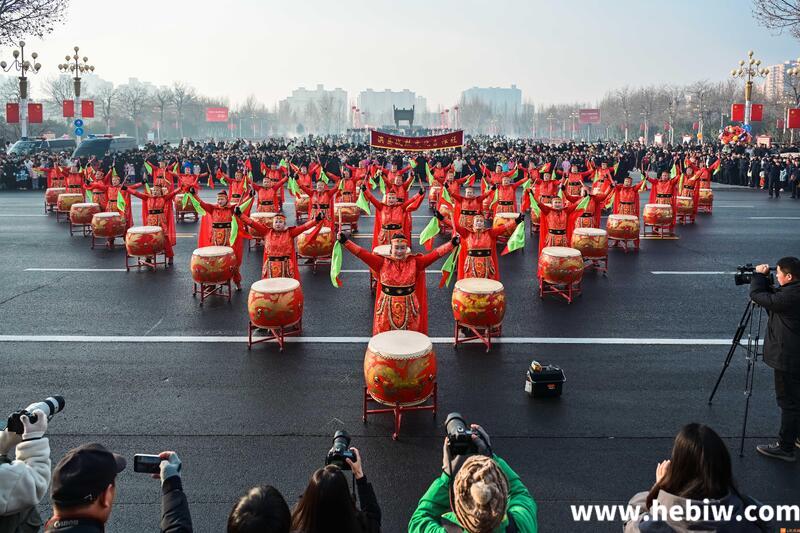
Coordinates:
744	274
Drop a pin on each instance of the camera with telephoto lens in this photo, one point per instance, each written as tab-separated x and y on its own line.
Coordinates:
459	436
744	274
340	451
50	406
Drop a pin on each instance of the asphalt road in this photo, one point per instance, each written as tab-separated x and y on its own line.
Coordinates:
240	418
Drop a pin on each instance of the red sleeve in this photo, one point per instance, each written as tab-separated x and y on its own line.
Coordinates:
374	201
424	261
258	226
278	185
137	194
306	190
297	230
375	262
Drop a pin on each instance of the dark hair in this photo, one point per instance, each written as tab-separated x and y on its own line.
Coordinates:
261	510
790	265
326	505
700	466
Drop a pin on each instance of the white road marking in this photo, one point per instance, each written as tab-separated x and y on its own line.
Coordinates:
17	216
689	272
187	339
75	270
774	218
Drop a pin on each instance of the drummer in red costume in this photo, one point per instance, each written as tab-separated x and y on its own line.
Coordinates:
555	229
157	211
320	201
345	186
215	229
268	195
401	300
507	195
589	215
626	198
477	257
189	180
305	175
496	177
54	176
664	191
73	181
391	215
573	180
396	185
702	171
280	258
360	173
690	186
469	205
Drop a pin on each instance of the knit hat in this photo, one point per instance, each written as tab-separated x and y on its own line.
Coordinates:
480	494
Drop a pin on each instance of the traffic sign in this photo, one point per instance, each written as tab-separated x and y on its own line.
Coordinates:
78	123
78	131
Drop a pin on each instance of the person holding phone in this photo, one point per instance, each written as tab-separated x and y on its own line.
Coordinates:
84	488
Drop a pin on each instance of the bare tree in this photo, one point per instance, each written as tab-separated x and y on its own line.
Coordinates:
779	15
648	103
162	98
673	97
624	103
133	99
700	93
29	18
724	95
58	89
311	117
106	97
182	96
9	89
326	108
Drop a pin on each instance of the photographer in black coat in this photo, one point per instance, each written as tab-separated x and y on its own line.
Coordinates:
782	348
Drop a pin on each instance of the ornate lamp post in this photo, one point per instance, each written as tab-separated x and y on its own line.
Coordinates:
573	116
747	71
76	66
23	66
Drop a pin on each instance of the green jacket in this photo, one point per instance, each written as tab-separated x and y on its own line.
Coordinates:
434	506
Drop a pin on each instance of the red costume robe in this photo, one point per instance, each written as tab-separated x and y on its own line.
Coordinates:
507	197
54	176
477	257
400	191
268	197
280	258
401	300
466	208
494	178
626	200
320	202
554	227
391	219
345	188
664	192
690	186
588	216
74	182
157	211
573	181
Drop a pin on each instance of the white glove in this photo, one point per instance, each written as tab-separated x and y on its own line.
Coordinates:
34	430
170	465
8	441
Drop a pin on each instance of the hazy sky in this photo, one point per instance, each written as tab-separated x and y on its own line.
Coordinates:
555	51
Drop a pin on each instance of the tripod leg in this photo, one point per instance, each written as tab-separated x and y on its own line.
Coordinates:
737	337
751	370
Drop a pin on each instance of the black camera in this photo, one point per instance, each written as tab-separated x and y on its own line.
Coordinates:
50	406
340	451
459	436
744	274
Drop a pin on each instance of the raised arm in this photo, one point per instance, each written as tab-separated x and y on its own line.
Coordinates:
294	231
305	189
258	226
371	197
375	262
424	261
413	203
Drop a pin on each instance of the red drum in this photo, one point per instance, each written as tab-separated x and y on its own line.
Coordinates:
685	205
658	214
348	211
144	241
51	195
264	218
301	203
321	246
559	265
509	221
108	225
445	210
479	302
623	227
66	200
706	197
179	207
275	302
400	368
82	213
213	264
592	243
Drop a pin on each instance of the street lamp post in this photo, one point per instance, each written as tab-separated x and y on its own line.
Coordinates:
550	119
76	65
747	71
794	72
573	116
22	65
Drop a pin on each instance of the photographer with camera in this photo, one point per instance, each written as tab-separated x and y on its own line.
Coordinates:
327	504
84	488
477	491
782	348
24	481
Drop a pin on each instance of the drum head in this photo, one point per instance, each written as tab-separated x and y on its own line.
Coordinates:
685	198
345	204
658	206
506	215
560	251
622	217
62	189
213	251
275	285
400	344
145	229
591	232
70	195
85	204
108	214
479	285
383	249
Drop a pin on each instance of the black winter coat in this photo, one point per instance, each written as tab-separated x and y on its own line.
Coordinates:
782	341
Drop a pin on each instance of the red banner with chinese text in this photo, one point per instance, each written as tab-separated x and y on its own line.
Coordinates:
387	141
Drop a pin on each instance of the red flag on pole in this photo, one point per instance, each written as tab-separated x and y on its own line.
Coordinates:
35	113
87	108
794	118
757	113
12	113
68	108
